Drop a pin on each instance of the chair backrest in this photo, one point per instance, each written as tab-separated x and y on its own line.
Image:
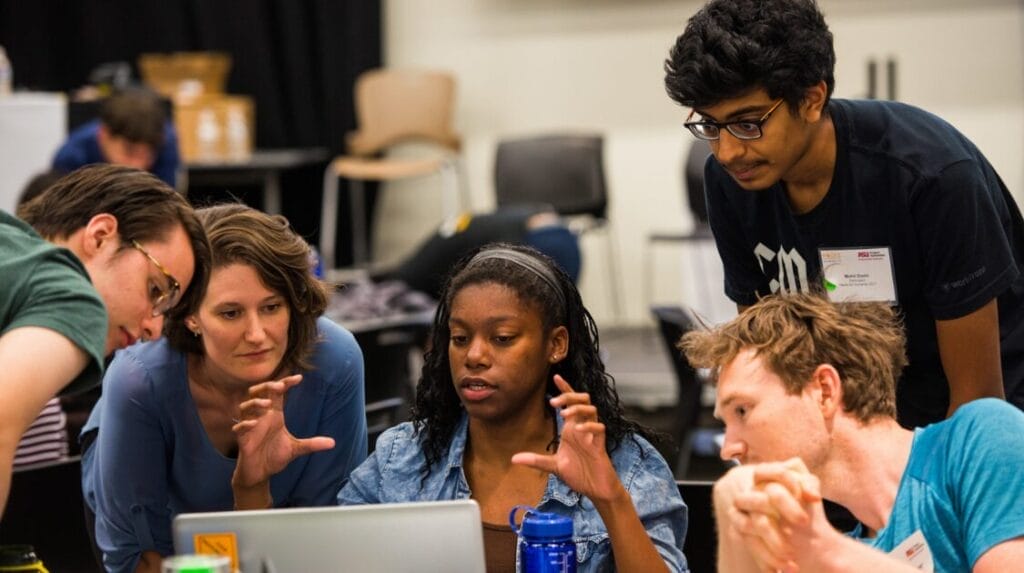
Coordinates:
395	105
380	416
693	175
701	544
673	323
564	171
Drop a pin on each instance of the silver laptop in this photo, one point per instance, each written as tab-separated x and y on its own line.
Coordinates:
430	536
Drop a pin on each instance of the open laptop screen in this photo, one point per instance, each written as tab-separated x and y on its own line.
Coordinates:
429	536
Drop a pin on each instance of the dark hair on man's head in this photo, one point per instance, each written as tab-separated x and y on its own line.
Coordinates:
242	235
135	114
40	182
731	47
145	207
437	408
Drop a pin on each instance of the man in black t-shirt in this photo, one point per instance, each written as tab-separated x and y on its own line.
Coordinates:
867	200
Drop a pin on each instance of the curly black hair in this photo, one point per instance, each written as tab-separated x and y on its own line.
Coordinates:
730	47
437	409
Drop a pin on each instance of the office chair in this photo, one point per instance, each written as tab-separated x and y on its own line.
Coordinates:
693	177
567	173
701	544
381	415
392	107
673	323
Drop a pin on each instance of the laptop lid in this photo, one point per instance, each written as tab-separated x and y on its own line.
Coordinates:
426	536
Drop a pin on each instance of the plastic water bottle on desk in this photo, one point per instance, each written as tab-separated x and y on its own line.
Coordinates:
20	558
545	542
207	135
316	264
6	74
196	564
237	135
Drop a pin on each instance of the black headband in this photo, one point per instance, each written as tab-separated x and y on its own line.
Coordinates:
527	262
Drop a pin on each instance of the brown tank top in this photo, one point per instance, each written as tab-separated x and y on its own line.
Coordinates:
500	548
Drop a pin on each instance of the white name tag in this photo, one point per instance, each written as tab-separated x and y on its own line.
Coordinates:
914	551
862	274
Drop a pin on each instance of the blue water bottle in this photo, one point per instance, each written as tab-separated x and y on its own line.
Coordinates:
545	541
316	264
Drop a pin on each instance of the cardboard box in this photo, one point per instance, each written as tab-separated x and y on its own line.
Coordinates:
215	128
186	75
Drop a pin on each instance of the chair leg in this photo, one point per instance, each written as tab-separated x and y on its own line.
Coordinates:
357	201
454	191
613	272
703	284
329	219
649	273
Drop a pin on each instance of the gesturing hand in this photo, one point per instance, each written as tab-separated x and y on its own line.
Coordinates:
265	446
581	460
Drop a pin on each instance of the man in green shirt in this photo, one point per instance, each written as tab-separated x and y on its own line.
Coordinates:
93	265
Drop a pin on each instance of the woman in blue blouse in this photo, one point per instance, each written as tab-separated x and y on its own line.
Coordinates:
166	436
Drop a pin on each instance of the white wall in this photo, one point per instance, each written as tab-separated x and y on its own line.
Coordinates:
528	66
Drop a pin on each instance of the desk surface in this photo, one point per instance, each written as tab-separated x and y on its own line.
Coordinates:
263	159
418	319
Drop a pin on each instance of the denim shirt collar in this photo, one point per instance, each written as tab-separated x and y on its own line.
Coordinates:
556	490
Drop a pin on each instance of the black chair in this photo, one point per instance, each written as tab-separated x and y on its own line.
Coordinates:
45	510
673	323
381	415
693	177
701	542
389	386
567	173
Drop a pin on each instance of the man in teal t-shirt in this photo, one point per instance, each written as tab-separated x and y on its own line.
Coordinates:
97	260
806	389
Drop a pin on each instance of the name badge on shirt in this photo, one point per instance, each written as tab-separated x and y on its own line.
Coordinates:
915	552
860	274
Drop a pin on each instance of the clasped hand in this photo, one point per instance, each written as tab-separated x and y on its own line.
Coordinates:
776	511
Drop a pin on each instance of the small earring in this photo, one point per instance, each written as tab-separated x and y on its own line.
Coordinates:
195	333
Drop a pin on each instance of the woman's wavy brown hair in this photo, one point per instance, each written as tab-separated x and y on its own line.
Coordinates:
242	235
795	333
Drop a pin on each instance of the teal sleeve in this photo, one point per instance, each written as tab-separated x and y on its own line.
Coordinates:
987	477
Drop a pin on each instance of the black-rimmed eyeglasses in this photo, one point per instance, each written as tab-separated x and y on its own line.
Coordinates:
745	129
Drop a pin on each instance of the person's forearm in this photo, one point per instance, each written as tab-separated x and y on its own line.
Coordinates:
847	555
632	547
733	556
149	562
252	497
970	356
6	467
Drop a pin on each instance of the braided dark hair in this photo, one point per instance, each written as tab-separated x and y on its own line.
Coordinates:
437	409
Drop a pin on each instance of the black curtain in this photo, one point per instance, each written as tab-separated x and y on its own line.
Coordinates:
298	59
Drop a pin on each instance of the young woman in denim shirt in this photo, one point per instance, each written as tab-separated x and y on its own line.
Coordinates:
514	408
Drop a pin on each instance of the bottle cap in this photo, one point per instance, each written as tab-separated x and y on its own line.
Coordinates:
12	555
196	564
541	526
